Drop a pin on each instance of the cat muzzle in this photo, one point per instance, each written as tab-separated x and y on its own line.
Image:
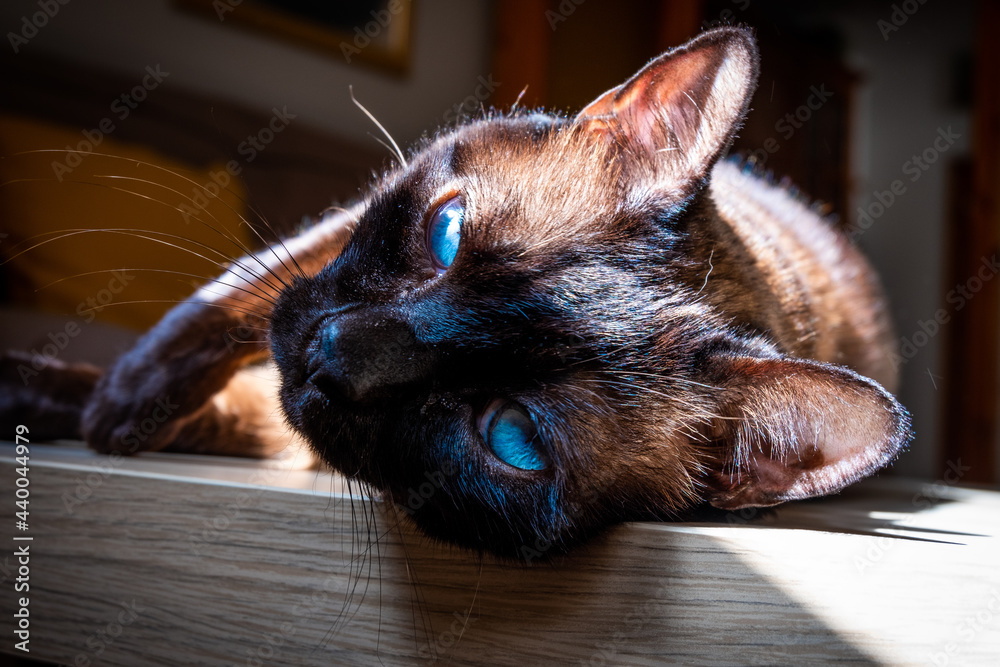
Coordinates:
364	358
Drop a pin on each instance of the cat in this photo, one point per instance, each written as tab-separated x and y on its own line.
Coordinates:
536	326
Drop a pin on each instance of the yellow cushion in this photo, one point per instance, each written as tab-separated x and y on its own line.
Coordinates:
137	190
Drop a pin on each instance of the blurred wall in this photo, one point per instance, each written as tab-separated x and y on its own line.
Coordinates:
907	100
452	46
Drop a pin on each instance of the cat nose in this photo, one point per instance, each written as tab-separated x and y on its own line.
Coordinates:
366	357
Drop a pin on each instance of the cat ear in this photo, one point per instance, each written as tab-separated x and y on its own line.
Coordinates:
793	428
687	103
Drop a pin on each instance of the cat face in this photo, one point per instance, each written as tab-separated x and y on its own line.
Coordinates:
512	347
471	351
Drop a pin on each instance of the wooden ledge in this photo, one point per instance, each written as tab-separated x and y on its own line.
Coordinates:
170	559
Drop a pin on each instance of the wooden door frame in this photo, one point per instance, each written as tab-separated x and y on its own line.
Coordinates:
970	436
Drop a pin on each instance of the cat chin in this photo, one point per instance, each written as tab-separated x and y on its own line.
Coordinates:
511	535
459	494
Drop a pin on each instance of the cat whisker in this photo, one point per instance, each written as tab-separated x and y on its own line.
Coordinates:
622	348
670	378
398	153
513	107
357	556
374	538
345	615
384	145
475	596
237	341
174	301
144	270
420	604
650	390
348	212
192	182
250	254
143	234
359	561
228	237
250	305
711	267
692	101
262	329
378	563
60	234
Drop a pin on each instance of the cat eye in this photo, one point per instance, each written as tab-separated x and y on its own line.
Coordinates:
444	231
511	434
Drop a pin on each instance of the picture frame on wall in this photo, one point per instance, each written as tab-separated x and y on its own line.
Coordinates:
374	33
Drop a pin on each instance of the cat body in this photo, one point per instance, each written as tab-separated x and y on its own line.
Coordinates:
564	323
799	279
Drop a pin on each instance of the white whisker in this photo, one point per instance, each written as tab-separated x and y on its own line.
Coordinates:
399	153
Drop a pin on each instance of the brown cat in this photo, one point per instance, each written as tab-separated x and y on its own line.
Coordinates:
539	326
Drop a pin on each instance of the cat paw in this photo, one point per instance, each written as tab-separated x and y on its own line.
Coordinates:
129	426
129	416
46	395
155	394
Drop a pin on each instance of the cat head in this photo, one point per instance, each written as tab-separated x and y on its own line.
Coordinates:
512	347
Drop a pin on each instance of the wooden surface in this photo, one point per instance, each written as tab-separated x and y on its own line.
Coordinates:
178	560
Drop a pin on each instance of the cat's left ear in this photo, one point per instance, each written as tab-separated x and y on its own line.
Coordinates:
789	428
686	105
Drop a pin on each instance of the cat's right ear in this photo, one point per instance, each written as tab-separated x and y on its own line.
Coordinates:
789	428
684	107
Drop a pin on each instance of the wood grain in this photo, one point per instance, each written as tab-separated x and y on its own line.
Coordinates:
182	560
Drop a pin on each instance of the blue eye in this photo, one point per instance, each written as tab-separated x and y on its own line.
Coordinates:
444	231
510	432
